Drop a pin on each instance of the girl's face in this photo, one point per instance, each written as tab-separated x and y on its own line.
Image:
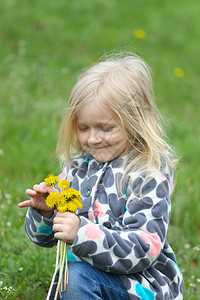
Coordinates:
99	134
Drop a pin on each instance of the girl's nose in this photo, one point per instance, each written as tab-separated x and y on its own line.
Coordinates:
95	136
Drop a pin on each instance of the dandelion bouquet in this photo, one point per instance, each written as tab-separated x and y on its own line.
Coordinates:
68	199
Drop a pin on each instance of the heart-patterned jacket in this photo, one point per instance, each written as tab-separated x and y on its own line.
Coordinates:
122	230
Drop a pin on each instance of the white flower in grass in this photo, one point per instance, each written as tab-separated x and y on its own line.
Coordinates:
196	248
8	196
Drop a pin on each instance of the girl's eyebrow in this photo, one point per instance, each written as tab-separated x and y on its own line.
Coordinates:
100	123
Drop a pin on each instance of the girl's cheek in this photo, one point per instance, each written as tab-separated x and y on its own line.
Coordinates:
109	137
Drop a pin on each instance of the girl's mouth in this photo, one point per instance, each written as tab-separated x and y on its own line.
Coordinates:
99	148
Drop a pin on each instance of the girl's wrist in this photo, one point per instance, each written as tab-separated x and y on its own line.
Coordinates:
45	214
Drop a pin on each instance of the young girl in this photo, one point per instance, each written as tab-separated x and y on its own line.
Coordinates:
117	242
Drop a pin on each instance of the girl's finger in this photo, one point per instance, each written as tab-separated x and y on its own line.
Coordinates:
55	211
30	193
42	188
58	235
61	214
27	203
58	220
57	228
39	188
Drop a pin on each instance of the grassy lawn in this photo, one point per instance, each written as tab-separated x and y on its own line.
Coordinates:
43	45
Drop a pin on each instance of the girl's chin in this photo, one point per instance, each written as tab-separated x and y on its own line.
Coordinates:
103	154
104	157
100	157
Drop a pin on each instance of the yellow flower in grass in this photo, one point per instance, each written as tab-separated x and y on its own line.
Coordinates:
51	180
178	72
139	33
63	183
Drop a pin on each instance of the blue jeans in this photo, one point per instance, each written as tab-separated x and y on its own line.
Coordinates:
89	283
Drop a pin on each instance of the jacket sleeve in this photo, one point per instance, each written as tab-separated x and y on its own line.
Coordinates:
137	244
39	229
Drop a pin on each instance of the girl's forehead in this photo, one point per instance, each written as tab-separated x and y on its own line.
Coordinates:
96	111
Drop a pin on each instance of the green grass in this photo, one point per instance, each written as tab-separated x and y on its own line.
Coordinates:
43	45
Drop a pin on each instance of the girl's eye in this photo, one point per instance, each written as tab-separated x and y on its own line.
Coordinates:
107	129
82	128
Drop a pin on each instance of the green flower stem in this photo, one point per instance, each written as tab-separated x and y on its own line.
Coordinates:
62	249
62	254
66	268
54	275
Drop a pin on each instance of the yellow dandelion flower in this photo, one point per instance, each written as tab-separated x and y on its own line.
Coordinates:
63	183
61	199
76	194
62	206
139	33
61	203
72	206
0	191
68	205
67	192
52	199
70	193
178	72
51	180
78	202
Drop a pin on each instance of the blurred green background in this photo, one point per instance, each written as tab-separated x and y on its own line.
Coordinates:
43	45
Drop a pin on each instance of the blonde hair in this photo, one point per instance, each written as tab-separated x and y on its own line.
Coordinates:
124	83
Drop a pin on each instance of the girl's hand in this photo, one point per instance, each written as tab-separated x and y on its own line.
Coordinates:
66	226
38	196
